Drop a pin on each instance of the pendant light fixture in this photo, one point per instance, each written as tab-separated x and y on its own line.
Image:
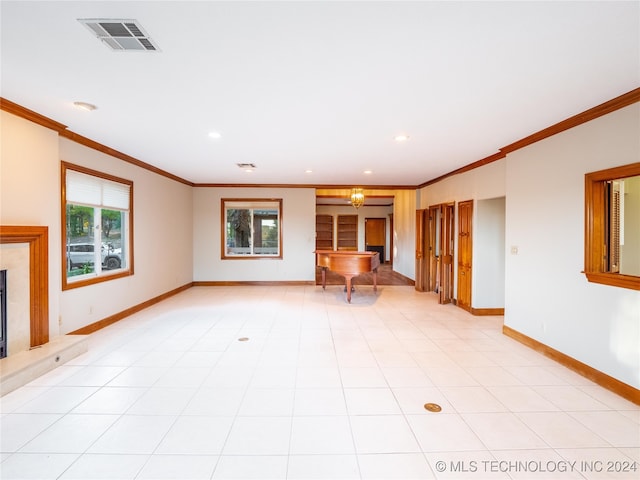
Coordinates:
357	197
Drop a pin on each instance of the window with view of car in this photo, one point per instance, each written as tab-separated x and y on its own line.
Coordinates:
251	228
97	217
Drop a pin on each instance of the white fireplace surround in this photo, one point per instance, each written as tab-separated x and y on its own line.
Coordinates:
14	258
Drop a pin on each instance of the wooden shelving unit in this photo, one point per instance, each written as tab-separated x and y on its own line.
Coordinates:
347	232
324	232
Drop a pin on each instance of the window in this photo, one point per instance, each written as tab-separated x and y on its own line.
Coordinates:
97	219
251	228
612	226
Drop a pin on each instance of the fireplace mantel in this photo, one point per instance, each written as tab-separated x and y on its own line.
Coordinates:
38	240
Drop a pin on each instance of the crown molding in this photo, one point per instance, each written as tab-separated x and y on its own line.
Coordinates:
63	131
20	111
87	142
307	185
605	108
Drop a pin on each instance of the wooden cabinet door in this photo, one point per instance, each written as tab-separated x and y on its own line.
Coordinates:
432	252
465	218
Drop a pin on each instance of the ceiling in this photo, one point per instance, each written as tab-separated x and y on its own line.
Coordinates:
320	86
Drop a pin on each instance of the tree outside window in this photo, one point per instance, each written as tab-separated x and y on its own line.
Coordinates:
252	228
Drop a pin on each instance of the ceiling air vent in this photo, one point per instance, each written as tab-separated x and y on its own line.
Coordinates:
120	35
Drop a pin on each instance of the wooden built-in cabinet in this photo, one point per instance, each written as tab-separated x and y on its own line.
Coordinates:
324	232
347	232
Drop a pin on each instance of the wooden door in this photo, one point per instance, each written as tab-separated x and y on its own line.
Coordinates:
432	250
447	228
421	258
375	236
465	218
391	238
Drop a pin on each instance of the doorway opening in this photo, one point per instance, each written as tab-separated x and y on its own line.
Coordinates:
375	236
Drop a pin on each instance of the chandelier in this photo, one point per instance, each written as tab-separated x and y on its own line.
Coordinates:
357	197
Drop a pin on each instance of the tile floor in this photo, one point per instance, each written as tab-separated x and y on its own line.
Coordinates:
321	389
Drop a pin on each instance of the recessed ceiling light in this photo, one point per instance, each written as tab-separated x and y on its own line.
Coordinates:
215	135
85	106
247	167
401	138
368	172
308	171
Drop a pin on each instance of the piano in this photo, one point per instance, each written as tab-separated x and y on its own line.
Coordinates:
349	264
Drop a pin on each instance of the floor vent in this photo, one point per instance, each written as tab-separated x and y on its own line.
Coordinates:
120	35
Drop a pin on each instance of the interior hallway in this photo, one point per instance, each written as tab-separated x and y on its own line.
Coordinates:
293	382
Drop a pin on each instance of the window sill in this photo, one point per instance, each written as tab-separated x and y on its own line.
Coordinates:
252	257
69	285
614	280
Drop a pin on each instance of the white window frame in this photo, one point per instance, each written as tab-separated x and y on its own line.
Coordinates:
89	188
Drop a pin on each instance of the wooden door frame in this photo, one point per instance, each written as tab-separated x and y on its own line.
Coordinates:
432	282
421	256
447	251
391	239
38	240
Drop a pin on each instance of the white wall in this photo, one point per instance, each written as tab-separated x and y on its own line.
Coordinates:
298	230
547	297
404	233
484	182
162	236
163	230
30	190
488	254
